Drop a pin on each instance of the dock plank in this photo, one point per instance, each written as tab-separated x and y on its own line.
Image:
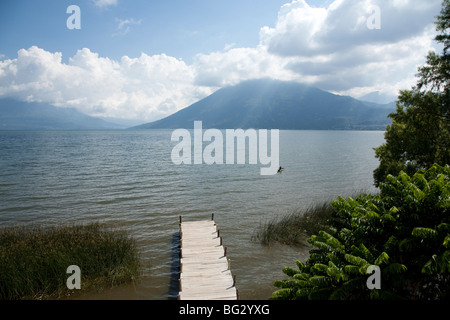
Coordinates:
204	267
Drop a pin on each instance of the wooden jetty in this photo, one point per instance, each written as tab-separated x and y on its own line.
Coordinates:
204	268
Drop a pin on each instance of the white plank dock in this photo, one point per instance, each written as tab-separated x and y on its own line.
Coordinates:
204	267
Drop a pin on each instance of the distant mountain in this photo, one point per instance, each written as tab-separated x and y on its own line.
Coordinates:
18	115
378	97
272	104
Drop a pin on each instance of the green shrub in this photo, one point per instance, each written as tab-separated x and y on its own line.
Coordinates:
405	230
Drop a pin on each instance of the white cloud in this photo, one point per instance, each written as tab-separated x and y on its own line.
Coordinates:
104	3
147	88
296	29
305	31
331	48
232	66
123	25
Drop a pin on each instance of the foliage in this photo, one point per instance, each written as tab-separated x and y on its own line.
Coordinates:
405	230
419	135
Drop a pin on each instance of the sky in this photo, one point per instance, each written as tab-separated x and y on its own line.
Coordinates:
143	60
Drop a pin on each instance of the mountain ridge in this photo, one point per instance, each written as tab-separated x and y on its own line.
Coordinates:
18	115
273	104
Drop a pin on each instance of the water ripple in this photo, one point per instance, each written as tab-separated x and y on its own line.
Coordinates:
126	179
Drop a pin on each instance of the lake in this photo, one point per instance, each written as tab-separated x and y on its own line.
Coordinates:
127	179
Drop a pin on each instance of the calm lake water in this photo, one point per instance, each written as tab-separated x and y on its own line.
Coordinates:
127	179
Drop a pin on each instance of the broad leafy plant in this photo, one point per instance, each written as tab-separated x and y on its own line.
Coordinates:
404	230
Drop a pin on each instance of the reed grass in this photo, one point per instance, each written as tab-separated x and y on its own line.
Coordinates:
293	229
34	260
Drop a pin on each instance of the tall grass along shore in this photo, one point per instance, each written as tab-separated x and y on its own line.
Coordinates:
34	260
294	228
